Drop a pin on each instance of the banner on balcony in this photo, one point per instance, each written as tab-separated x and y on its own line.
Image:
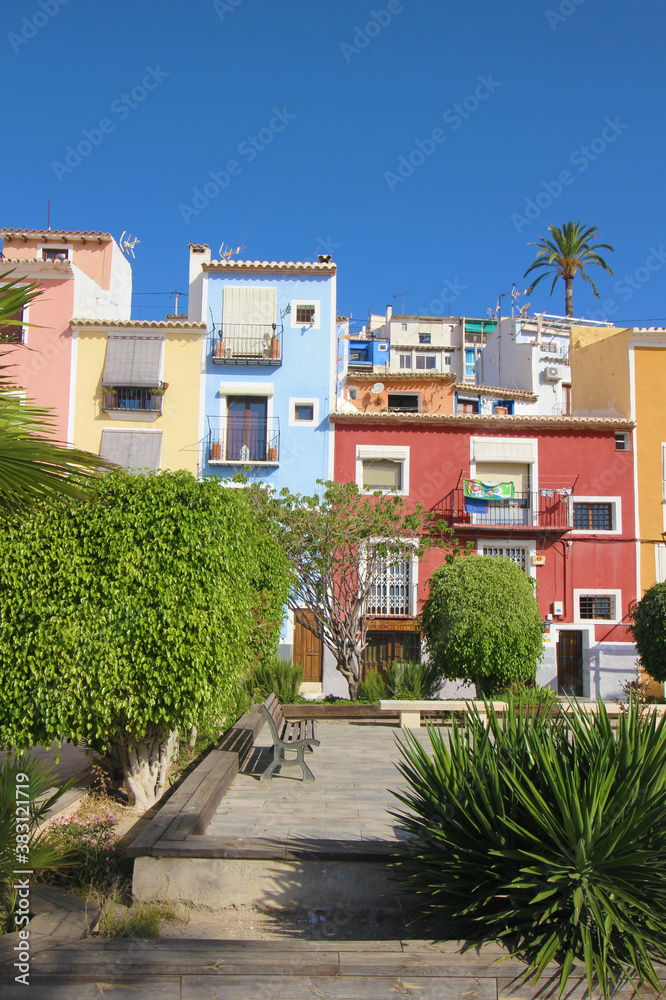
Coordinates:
477	490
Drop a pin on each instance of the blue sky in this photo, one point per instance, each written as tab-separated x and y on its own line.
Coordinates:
333	127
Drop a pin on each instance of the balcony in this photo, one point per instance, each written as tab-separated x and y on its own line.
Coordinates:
246	344
523	510
245	443
131	399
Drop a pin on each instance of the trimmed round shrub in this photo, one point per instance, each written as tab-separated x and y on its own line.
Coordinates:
482	624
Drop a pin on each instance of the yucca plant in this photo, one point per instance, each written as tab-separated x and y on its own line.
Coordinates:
279	677
545	834
411	679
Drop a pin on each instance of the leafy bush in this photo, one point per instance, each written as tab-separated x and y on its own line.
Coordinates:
373	687
548	835
481	623
279	677
649	630
412	680
134	615
528	695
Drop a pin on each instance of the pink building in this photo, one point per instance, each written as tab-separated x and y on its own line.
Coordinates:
82	274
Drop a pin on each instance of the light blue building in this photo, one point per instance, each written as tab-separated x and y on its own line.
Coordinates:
270	368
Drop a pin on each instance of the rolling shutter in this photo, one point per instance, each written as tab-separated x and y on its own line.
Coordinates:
517	473
133	361
138	450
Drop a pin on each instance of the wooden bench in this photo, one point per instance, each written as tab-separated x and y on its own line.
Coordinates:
410	711
296	735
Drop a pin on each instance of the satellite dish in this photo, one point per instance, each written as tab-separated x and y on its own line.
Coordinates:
377	387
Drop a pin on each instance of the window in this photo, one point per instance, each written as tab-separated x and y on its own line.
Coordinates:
49	253
503	407
384	648
621	441
305	314
129	398
303	412
383	468
406	360
404	326
12	329
467	406
358	356
424	338
426	362
382	474
597	606
402	402
447	360
470	361
515	554
566	400
351	393
246	428
597	514
593	516
391	594
663	472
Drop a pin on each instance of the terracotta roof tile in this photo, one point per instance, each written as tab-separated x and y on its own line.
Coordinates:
488	420
7	233
268	265
140	324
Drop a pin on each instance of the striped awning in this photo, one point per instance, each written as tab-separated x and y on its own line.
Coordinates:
137	450
133	361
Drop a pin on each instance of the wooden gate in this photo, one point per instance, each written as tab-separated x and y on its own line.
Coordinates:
308	649
570	663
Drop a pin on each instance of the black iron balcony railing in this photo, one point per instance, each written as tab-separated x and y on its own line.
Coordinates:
545	509
131	398
246	344
244	443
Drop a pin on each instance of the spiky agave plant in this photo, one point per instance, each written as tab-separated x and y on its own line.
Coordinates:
545	834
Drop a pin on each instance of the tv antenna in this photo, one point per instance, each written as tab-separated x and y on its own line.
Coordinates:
127	245
226	253
401	295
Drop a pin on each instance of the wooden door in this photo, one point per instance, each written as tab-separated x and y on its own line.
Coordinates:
570	663
308	649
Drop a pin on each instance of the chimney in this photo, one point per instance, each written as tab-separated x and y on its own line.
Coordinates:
389	313
199	254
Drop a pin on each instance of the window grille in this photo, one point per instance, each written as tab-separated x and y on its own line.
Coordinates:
593	516
517	555
597	606
390	594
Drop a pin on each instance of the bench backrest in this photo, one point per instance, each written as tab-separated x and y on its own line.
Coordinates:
272	709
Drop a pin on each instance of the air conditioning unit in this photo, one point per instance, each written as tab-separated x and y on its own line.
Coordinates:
552	374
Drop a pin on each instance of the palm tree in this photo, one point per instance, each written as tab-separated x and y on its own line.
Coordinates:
567	253
33	467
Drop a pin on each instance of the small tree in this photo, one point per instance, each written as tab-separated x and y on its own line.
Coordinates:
127	618
649	630
481	622
338	545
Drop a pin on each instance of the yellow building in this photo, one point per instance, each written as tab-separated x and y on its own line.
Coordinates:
623	373
134	392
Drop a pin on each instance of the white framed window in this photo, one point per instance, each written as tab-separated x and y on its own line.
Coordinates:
303	412
522	555
406	360
305	312
352	393
425	338
601	515
622	441
383	469
426	362
597	606
247	432
394	591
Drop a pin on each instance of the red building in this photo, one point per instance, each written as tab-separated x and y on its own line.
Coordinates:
568	519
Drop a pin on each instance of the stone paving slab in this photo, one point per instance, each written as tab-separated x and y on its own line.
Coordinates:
355	771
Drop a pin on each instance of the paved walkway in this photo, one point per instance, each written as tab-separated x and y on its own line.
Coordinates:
355	770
